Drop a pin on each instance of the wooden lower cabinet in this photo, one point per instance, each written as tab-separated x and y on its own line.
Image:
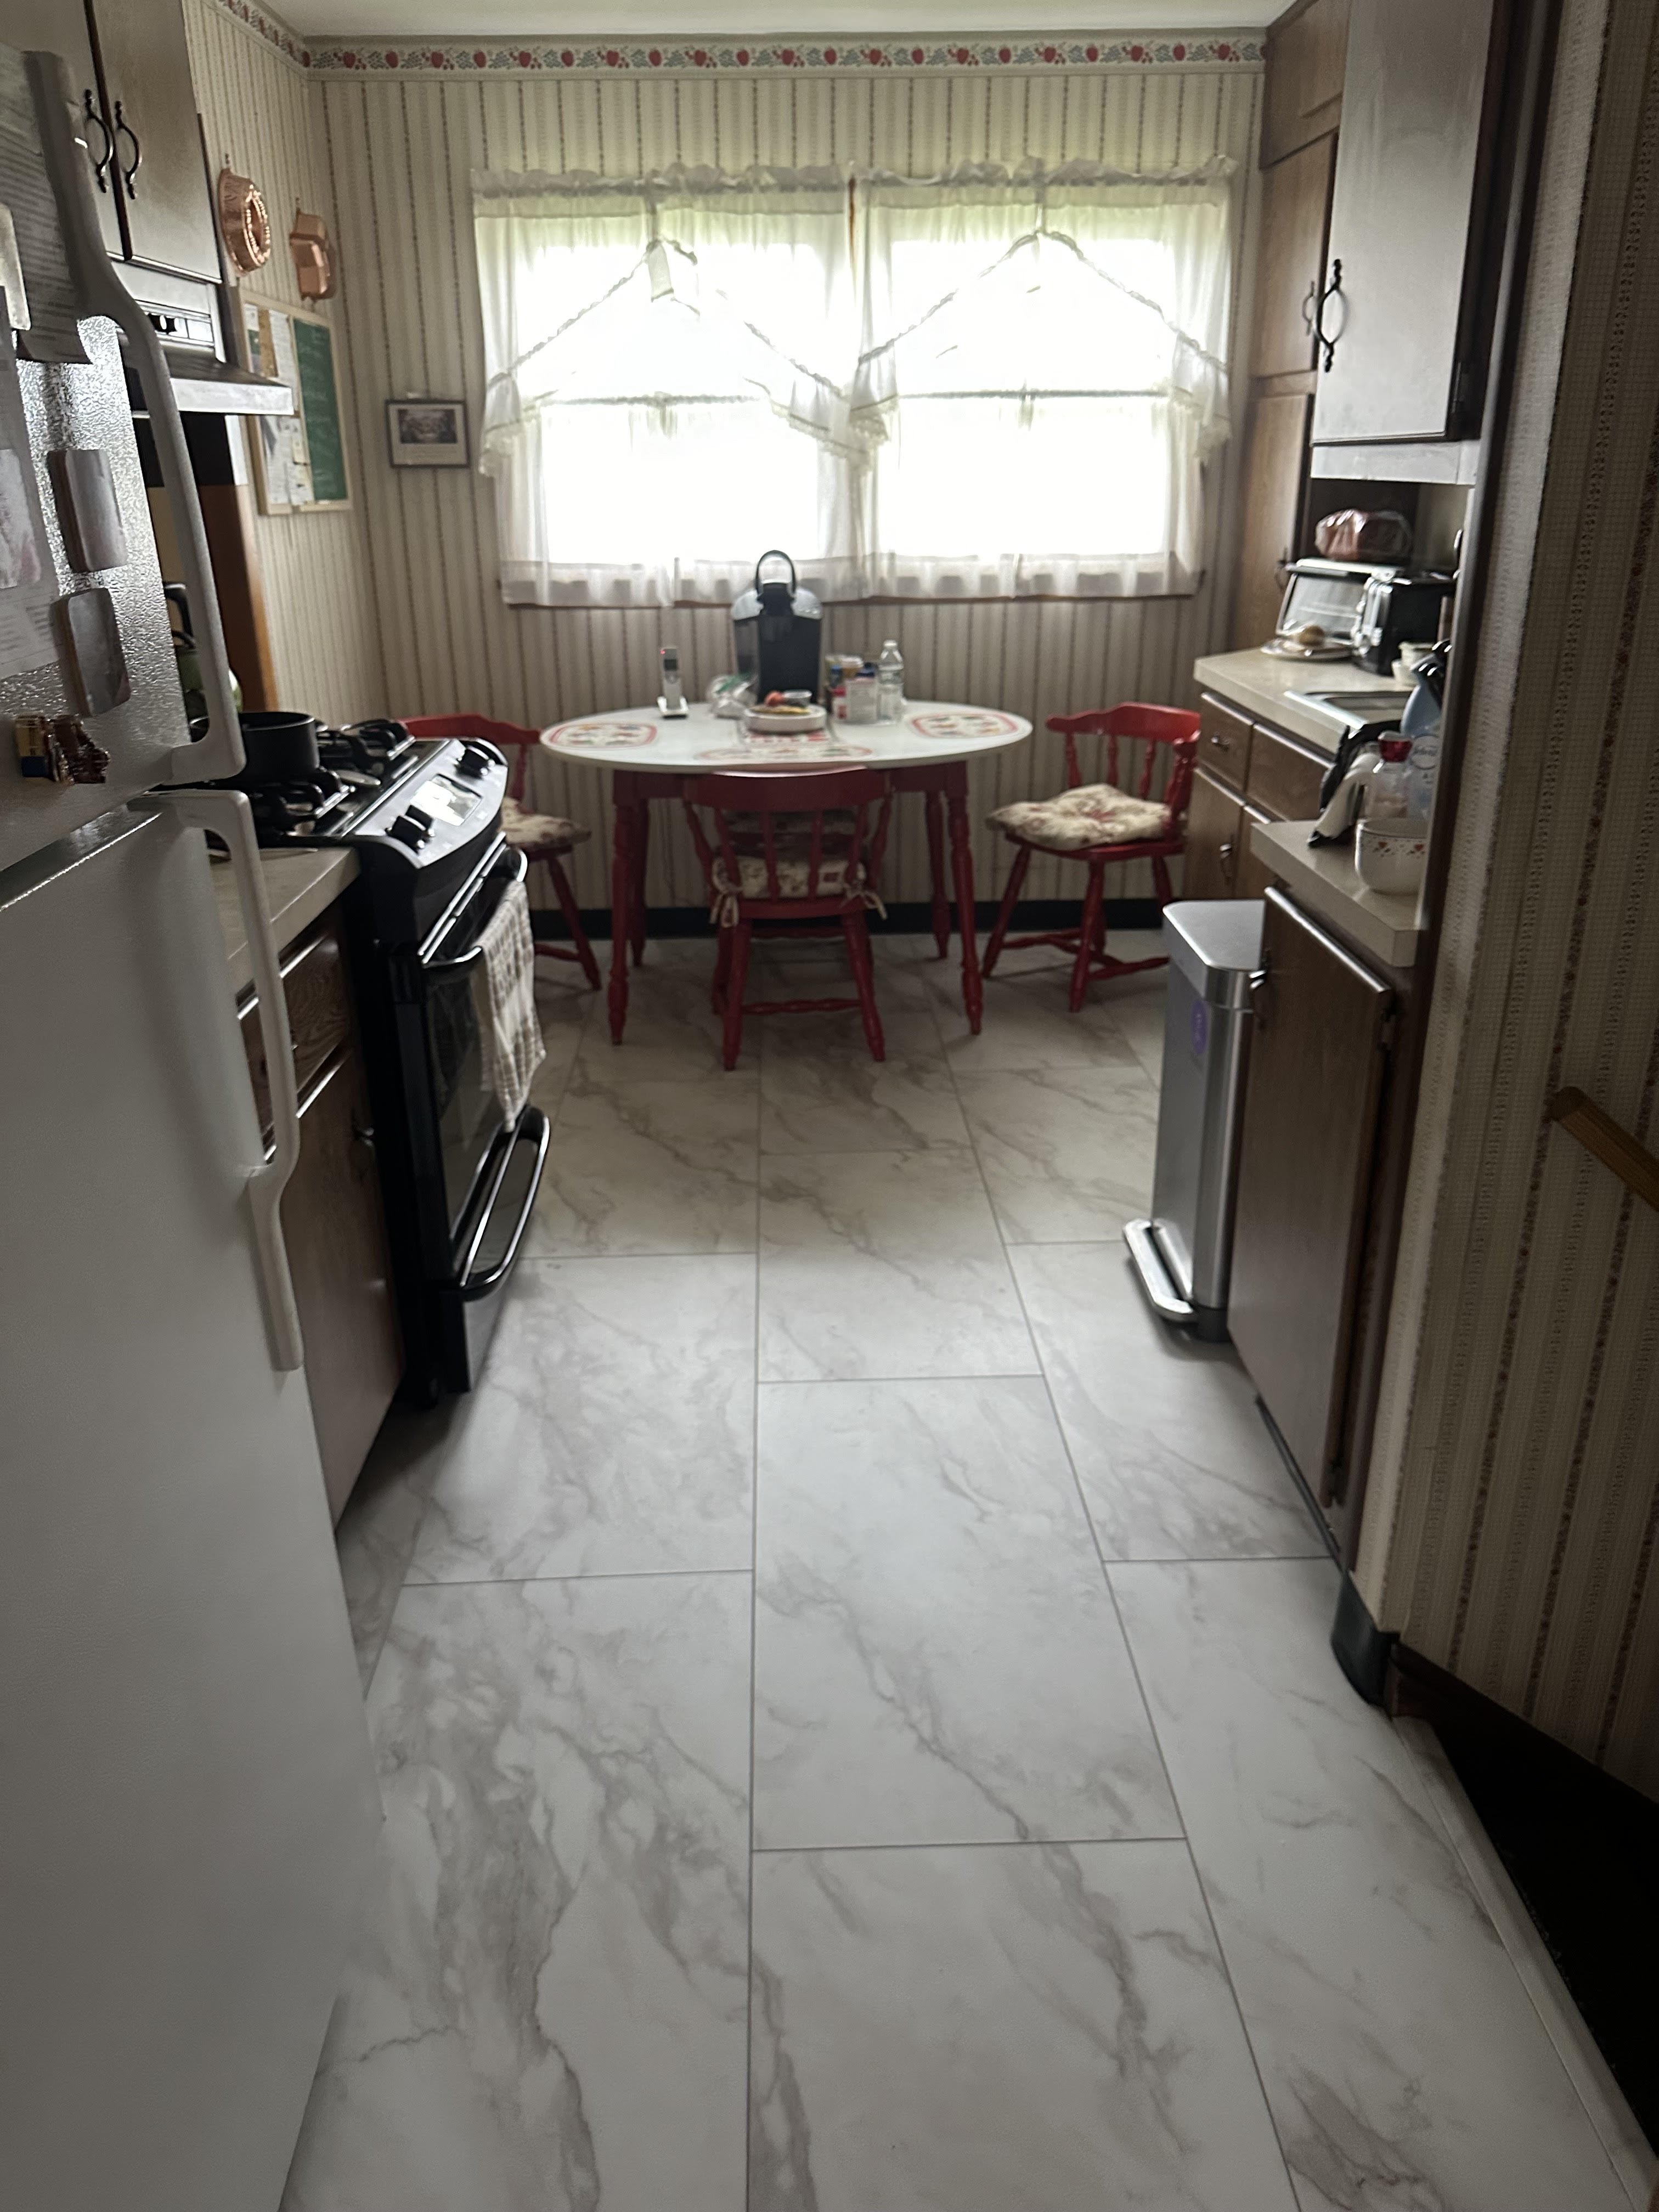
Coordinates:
333	1220
1214	818
1308	1158
335	1230
1251	874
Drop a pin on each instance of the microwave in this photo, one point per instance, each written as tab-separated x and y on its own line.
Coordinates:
1374	610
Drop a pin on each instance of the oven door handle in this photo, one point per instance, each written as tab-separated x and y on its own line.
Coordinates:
533	1127
519	869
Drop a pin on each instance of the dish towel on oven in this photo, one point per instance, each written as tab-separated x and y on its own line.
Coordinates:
513	1040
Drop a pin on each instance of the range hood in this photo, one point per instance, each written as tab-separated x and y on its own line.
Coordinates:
185	316
204	385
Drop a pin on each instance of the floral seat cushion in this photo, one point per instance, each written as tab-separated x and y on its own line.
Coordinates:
1094	814
539	833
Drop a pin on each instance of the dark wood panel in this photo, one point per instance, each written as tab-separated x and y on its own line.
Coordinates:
1296	207
1306	51
1407	208
1252	875
1275	471
1305	1164
1213	814
335	1230
146	66
1223	740
319	995
1283	777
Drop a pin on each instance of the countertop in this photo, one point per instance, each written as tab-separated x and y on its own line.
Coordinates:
299	886
1262	684
1324	879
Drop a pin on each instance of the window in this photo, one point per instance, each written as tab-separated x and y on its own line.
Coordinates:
669	371
975	384
1042	381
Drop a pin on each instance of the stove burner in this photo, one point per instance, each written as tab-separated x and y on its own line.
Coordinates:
295	807
372	748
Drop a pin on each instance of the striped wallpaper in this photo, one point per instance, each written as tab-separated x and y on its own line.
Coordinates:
1511	1527
400	145
263	115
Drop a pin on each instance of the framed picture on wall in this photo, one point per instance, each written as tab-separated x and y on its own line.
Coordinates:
426	434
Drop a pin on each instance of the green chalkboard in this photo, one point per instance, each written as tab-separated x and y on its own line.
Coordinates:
319	402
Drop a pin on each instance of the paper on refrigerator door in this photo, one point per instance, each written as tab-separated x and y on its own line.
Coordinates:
28	575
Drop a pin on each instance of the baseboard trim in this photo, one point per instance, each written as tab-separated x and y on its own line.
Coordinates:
905	918
1363	1649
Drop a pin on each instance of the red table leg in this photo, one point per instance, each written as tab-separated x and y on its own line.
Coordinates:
641	849
962	858
936	866
625	808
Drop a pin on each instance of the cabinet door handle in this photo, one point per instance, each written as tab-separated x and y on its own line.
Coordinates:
1261	979
1322	337
104	161
1310	305
129	169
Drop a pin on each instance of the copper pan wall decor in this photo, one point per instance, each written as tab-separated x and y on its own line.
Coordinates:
314	261
243	223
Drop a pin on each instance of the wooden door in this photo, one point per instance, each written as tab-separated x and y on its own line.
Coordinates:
1213	814
60	26
1304	1174
1296	206
1275	471
1306	51
1251	874
146	70
336	1247
1404	220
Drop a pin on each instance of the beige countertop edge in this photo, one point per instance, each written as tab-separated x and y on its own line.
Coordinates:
299	886
1323	879
1260	683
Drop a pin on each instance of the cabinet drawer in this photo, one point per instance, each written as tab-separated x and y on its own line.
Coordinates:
1283	778
1223	741
318	997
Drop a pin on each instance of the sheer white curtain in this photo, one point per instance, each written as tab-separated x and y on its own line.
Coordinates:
1041	378
670	362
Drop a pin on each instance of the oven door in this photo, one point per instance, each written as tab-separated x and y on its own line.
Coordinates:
468	1117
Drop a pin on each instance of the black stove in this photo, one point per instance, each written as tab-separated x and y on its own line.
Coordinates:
423	816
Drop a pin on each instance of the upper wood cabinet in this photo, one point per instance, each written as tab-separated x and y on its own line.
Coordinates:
1305	53
1295	200
1414	169
60	26
1275	468
150	109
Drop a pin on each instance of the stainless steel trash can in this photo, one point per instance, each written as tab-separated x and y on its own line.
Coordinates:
1183	1251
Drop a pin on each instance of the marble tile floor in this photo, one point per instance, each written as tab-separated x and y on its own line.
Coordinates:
852	1694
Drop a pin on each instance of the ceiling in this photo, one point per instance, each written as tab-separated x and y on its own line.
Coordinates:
416	19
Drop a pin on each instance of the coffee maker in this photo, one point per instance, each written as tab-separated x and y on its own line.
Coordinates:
779	628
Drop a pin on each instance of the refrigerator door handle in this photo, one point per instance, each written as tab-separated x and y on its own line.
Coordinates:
99	291
229	817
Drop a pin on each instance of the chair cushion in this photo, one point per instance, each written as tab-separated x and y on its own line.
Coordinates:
1093	814
539	833
836	876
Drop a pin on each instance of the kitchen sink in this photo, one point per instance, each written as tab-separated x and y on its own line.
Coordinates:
1346	710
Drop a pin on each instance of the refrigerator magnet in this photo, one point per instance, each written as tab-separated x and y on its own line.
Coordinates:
90	650
88	512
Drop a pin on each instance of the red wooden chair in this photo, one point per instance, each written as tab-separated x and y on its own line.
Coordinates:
543	837
1102	825
788	851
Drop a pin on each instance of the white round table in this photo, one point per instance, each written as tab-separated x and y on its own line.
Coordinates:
653	757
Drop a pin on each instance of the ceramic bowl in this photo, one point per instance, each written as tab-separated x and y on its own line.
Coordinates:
1390	854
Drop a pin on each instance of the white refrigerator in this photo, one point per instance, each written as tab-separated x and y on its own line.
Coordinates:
187	1805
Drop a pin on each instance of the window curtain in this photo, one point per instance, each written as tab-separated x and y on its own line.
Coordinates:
670	363
1041	378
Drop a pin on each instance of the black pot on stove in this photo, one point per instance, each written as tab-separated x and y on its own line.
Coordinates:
277	747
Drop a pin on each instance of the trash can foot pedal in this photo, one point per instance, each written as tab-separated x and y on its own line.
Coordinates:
1165	1301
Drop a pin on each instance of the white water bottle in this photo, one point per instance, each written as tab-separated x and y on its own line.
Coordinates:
889	681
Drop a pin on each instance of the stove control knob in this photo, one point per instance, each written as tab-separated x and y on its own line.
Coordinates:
475	760
409	828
